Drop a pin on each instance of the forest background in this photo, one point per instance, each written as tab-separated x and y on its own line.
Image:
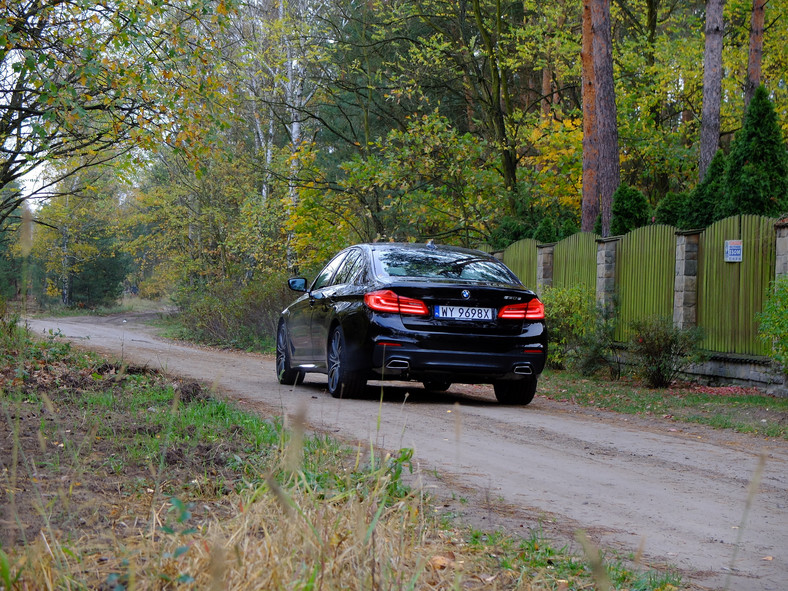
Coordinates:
204	150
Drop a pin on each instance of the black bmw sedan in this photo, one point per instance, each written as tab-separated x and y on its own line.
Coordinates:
434	314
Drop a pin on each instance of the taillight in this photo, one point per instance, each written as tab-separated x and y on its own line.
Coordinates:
388	301
532	310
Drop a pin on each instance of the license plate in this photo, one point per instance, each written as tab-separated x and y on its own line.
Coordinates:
463	313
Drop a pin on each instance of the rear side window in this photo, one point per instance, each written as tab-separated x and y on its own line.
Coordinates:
351	268
326	275
441	264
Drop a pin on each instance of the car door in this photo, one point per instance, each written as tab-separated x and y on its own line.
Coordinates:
331	296
316	305
299	323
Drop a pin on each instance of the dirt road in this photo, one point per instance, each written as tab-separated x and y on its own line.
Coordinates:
678	493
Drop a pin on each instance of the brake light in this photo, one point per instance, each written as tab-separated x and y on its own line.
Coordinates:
532	310
388	301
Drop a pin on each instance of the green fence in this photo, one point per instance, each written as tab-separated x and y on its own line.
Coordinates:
731	294
574	261
645	275
520	257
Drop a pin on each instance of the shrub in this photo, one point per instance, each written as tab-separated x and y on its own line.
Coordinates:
701	207
773	329
630	210
569	314
598	348
756	176
671	209
659	350
243	316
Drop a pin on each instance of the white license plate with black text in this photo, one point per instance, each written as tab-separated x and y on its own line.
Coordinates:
464	313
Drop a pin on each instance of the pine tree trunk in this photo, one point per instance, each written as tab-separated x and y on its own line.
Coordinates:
590	201
712	86
601	169
756	50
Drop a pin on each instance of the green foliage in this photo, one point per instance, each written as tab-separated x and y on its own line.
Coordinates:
756	180
598	348
671	209
630	210
659	350
569	314
773	321
701	207
91	81
242	316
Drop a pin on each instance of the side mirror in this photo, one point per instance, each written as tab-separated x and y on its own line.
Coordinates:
297	284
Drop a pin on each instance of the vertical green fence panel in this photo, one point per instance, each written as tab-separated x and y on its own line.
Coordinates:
645	275
520	257
574	261
731	294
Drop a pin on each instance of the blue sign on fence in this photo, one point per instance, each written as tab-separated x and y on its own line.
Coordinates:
733	251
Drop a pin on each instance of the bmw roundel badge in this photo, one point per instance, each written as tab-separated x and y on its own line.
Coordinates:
466	294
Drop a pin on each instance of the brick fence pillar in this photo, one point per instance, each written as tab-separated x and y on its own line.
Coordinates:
606	249
685	286
544	266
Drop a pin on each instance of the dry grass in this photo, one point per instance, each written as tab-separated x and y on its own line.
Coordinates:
118	478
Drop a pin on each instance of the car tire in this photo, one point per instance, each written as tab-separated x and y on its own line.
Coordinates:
342	382
519	392
286	375
436	385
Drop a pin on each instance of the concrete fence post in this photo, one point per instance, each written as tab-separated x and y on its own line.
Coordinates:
606	249
685	287
544	266
781	258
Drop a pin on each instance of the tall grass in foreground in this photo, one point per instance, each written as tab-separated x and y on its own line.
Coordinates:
117	478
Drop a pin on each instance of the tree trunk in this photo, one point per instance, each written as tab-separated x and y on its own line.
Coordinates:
589	209
712	86
601	170
756	50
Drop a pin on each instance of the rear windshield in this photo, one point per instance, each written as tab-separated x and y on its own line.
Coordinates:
442	264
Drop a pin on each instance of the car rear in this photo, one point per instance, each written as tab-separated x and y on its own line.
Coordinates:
456	330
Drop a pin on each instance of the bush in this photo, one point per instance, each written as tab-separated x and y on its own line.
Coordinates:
773	329
244	316
700	211
659	350
630	210
756	175
569	314
671	209
598	348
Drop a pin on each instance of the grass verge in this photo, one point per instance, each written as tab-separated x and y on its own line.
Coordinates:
746	410
118	477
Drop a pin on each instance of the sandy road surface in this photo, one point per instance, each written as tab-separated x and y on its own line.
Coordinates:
678	492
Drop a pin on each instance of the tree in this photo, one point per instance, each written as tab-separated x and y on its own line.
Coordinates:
630	210
756	176
702	203
755	55
712	85
92	80
600	131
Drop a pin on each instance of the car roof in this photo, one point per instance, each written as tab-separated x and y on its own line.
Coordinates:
423	246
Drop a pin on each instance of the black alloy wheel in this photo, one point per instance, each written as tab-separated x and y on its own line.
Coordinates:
284	373
342	382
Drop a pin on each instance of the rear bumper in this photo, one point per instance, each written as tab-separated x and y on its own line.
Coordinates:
400	359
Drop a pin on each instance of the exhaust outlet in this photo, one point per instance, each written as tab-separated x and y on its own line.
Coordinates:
398	364
523	370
